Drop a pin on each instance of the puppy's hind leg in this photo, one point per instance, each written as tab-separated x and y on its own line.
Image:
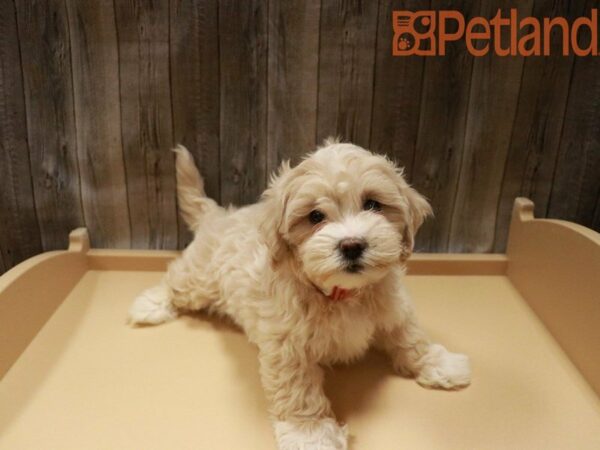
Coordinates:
187	284
185	287
178	291
153	306
191	287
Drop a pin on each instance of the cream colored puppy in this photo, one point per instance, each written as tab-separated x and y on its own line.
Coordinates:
313	274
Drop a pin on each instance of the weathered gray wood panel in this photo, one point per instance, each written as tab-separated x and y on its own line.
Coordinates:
293	35
19	229
346	63
92	98
195	87
397	91
596	221
441	132
146	122
495	86
576	184
531	160
48	85
95	64
243	86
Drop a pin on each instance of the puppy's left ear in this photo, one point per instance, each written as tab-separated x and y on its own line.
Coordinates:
419	209
275	201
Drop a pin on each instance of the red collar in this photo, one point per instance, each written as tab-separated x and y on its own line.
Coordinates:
339	293
336	294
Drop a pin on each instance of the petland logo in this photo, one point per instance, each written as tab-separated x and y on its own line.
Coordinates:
426	33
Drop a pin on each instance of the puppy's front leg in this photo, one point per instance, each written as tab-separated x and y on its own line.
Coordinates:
302	414
413	355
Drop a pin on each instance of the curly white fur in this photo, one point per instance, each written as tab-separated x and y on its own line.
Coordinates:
153	306
324	434
272	268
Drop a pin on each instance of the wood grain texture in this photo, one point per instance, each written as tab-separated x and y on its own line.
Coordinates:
576	184
93	95
397	91
292	79
195	87
147	128
493	98
99	145
243	86
19	230
441	132
348	33
595	225
48	85
535	139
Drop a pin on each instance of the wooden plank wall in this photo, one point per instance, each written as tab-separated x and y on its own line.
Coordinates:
93	94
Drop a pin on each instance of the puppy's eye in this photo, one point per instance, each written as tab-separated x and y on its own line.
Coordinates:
316	216
371	205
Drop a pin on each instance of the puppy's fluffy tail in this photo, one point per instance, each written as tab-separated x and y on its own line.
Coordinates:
192	200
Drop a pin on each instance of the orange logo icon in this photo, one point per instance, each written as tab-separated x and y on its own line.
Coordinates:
414	33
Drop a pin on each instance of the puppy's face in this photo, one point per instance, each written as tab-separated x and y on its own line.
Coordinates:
346	215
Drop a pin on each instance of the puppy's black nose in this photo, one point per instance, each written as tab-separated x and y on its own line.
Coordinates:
352	248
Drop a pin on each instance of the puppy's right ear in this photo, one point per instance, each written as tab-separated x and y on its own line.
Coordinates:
419	210
275	200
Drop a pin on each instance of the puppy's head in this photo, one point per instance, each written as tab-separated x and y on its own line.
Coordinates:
344	216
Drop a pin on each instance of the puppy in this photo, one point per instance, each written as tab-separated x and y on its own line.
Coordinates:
313	274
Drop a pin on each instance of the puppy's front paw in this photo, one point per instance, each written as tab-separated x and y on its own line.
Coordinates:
443	369
323	434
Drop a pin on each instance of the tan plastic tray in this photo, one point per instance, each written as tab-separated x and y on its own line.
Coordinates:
74	376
